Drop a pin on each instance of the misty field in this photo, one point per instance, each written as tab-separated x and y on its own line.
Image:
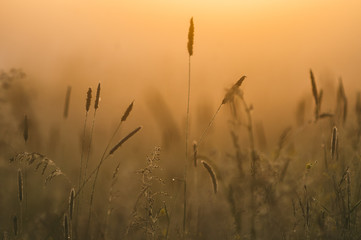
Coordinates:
186	158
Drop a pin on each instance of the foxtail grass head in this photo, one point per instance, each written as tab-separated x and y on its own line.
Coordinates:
127	112
67	102
97	98
190	37
26	128
334	142
20	185
314	87
88	99
212	174
195	152
120	143
233	91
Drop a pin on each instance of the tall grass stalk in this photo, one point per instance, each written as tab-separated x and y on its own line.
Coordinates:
190	53
87	108
96	105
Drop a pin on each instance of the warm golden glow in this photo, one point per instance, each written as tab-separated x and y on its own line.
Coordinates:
267	150
142	44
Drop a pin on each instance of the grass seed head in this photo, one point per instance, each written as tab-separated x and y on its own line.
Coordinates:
190	38
211	174
233	91
97	98
88	99
26	128
120	143
20	185
67	102
195	152
127	112
334	140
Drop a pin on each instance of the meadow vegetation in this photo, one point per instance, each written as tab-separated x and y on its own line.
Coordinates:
305	186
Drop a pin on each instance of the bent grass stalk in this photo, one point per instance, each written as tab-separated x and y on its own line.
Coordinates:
96	169
104	156
230	94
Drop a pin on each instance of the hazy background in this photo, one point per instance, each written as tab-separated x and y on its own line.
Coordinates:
137	48
138	51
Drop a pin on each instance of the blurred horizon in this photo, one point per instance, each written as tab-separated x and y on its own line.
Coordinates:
138	48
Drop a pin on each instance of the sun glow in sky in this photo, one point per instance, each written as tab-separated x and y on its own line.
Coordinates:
141	44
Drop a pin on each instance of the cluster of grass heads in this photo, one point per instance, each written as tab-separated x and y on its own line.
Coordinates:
307	187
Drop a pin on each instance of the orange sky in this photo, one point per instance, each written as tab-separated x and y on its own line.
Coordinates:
132	46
